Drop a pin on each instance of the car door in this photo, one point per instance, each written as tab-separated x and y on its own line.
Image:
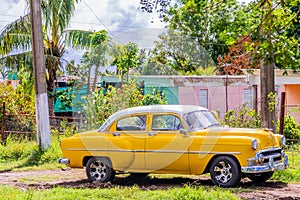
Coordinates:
166	149
126	143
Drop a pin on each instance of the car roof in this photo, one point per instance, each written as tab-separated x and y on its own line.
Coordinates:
179	109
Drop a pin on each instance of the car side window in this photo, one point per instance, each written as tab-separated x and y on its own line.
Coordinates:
166	123
132	123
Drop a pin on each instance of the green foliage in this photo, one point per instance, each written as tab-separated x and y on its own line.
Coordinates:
155	98
212	24
27	149
291	129
125	58
16	149
242	117
65	96
100	105
271	30
20	104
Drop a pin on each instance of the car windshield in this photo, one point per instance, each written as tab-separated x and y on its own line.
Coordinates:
200	120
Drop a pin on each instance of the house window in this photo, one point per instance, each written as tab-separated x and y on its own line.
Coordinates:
203	97
247	98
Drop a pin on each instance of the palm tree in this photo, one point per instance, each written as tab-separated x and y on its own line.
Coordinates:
16	37
96	45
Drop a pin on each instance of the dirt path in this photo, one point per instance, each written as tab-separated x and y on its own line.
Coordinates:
76	178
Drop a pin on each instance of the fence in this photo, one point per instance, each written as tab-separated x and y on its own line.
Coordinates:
25	125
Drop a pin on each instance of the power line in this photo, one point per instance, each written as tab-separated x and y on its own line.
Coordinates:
122	26
98	18
9	15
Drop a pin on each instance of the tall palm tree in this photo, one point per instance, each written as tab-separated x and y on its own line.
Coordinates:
16	37
96	45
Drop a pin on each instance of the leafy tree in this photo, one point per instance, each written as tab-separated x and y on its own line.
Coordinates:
180	52
211	24
157	64
271	22
16	37
238	58
96	46
125	58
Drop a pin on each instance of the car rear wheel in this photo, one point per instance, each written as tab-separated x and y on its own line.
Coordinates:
261	177
225	171
99	169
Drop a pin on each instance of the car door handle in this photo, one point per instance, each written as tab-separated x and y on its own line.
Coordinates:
152	134
115	134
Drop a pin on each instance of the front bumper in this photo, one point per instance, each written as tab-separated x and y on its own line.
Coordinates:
64	161
256	165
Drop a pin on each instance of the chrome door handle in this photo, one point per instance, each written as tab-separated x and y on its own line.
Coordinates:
115	134
151	133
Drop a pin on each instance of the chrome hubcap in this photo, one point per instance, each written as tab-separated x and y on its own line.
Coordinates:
223	172
98	170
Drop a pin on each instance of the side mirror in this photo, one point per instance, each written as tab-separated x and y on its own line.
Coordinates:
183	131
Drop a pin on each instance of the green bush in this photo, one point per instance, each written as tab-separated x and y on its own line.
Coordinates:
99	106
291	129
242	117
27	149
16	149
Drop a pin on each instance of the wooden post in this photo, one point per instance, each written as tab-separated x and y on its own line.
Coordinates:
282	108
254	98
41	97
3	125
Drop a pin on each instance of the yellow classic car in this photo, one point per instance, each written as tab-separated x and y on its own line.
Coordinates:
174	139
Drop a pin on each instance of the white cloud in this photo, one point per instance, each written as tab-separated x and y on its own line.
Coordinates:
11	11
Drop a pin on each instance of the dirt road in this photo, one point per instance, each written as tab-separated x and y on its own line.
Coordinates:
76	178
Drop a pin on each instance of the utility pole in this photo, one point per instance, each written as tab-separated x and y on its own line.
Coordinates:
41	98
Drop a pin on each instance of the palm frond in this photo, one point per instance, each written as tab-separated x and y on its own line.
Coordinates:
16	36
80	39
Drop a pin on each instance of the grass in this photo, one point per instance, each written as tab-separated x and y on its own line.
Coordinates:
292	174
134	193
20	155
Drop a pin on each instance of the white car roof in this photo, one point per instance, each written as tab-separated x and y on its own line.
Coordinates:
179	109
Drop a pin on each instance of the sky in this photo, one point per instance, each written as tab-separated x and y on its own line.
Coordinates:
123	20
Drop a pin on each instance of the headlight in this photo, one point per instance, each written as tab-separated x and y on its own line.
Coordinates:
282	141
254	144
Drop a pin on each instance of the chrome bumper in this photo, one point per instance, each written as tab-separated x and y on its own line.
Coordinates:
267	167
64	161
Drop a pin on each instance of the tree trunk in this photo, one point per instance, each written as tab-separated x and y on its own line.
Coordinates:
267	87
95	78
50	89
88	82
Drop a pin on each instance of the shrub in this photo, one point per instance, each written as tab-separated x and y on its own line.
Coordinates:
99	106
242	117
291	129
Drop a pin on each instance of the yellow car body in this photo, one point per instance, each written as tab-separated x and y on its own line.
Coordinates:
159	139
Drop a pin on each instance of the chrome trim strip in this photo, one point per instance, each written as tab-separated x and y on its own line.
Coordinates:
155	151
214	152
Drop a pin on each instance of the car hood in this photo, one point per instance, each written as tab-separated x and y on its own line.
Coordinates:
265	137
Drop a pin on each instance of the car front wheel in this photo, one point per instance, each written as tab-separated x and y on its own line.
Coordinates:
99	169
225	171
